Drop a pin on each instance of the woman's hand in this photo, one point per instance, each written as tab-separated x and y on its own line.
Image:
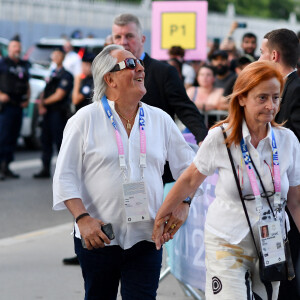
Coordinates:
165	228
177	218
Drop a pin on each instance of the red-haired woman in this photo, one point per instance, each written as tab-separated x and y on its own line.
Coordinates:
254	139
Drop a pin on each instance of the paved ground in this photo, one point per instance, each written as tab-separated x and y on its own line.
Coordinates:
31	268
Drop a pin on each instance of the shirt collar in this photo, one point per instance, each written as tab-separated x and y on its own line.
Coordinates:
112	104
287	75
247	136
143	56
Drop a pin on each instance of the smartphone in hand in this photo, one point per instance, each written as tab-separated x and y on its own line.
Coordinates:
108	231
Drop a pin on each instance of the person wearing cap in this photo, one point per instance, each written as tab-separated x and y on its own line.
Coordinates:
83	84
14	96
225	78
54	106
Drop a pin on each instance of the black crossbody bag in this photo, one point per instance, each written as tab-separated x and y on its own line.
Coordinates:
276	272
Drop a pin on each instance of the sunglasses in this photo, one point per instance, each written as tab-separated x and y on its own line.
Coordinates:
127	63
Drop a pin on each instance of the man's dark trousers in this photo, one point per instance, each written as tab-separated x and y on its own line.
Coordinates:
138	269
53	126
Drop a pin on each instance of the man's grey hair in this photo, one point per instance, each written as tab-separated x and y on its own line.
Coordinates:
102	64
125	19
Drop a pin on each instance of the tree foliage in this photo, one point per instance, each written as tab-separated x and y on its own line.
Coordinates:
276	9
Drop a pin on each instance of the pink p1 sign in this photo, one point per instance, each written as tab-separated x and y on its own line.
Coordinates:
179	23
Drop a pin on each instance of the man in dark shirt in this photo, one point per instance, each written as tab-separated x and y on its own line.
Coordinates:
14	96
225	78
282	47
164	87
54	107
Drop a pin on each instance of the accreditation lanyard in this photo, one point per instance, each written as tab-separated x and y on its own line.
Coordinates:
122	160
252	177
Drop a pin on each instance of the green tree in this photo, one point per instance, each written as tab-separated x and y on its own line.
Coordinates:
276	9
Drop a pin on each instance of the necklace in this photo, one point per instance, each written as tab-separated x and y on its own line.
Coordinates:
128	125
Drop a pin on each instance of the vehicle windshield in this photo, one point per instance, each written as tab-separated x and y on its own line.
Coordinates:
39	55
41	52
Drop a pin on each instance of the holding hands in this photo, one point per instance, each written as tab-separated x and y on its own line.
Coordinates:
173	212
165	228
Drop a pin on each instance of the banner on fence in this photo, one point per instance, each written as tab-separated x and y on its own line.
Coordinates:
186	255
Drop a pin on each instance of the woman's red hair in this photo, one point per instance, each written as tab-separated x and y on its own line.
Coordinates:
248	79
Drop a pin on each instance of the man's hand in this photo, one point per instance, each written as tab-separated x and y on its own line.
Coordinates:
158	235
90	230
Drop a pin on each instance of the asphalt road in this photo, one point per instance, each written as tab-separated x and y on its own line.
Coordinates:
34	239
26	203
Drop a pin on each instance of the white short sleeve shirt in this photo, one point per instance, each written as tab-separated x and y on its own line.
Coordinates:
88	166
72	63
226	217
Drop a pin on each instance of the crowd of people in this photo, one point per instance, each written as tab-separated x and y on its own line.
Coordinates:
122	145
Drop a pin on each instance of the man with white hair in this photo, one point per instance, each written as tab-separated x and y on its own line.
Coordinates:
109	170
164	87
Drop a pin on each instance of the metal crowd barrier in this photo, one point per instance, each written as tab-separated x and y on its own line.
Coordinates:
188	290
218	114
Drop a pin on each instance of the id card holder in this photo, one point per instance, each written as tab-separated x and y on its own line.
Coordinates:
271	242
136	202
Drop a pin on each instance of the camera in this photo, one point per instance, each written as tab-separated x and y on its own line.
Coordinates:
242	25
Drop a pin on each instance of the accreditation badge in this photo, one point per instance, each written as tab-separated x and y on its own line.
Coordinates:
136	202
271	242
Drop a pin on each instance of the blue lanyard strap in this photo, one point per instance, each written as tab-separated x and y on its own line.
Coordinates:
142	124
252	177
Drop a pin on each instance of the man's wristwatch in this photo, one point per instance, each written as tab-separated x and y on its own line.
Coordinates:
188	200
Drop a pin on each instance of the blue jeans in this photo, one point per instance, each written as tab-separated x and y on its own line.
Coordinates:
138	269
